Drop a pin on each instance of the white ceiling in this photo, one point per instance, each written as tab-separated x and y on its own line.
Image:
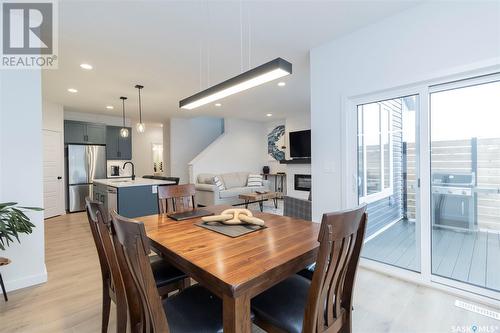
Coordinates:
161	44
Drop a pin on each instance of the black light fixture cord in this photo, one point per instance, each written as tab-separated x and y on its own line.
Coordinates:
140	106
123	108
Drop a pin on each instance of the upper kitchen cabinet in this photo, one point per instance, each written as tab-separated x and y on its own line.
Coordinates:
96	133
84	133
117	147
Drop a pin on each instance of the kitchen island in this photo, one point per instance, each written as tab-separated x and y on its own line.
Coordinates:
130	198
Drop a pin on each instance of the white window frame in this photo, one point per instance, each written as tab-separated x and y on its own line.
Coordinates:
384	192
430	83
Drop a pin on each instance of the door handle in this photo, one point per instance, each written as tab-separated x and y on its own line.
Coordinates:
59	177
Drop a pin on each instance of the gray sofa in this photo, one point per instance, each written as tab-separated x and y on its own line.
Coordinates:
235	183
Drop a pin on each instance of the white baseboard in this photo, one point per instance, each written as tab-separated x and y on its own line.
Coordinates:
26	281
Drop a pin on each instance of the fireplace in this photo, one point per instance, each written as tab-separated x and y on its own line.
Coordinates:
302	182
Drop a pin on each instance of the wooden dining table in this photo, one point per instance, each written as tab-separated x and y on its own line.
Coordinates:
235	269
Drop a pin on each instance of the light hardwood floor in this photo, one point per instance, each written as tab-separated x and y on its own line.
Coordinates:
71	299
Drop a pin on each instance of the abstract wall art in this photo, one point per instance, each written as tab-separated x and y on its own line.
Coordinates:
275	142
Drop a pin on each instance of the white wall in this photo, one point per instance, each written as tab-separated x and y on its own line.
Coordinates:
422	43
142	149
21	171
52	116
242	147
166	148
188	137
111	120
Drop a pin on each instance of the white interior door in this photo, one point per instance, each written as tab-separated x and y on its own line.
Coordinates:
52	174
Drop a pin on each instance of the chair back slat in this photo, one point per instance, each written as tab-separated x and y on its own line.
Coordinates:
176	198
330	296
135	247
137	316
92	218
100	226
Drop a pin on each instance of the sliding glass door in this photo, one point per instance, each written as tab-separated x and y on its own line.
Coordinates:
465	182
387	180
428	168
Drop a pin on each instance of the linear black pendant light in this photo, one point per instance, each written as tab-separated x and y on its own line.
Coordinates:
269	71
141	127
124	130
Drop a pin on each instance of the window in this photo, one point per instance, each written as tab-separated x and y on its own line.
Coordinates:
388	173
375	151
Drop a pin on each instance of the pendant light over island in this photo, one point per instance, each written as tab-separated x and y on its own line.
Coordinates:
124	131
141	127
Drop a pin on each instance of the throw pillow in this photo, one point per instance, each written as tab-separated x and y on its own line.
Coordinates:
254	180
218	182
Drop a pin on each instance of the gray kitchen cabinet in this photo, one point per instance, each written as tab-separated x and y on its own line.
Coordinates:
125	146
135	201
84	133
117	147
74	132
96	133
112	134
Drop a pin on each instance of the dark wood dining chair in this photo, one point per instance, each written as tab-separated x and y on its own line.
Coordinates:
324	304
176	198
193	310
167	278
112	286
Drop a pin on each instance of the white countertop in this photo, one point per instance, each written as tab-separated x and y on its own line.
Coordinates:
128	182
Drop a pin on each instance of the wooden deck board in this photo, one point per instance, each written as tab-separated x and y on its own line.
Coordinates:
382	242
477	271
409	260
393	243
450	256
461	269
440	248
404	245
467	257
493	262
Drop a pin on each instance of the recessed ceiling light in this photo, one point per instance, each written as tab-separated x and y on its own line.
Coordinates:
269	115
72	90
218	104
110	107
86	66
281	84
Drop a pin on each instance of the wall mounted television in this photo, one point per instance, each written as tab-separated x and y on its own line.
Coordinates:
300	144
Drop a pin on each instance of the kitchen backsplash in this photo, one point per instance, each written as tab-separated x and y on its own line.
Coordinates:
127	172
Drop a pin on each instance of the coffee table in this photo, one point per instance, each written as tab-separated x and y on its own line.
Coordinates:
260	198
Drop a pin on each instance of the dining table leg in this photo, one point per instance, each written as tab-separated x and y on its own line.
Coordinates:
236	314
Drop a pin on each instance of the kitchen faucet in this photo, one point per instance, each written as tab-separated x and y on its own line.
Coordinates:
133	168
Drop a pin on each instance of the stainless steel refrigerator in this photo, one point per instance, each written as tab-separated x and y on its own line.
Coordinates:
84	164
